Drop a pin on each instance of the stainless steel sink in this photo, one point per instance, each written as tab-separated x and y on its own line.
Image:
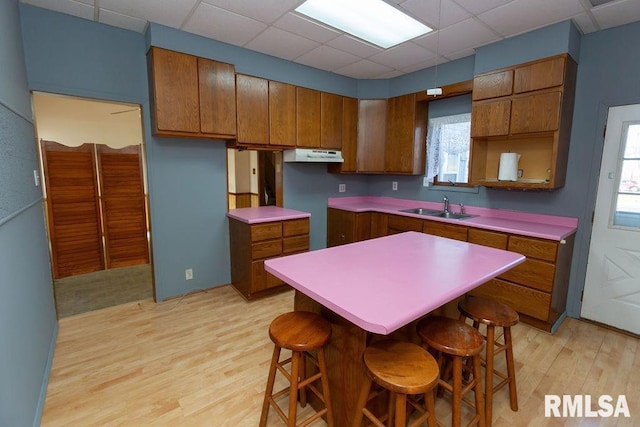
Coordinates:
421	211
437	213
451	215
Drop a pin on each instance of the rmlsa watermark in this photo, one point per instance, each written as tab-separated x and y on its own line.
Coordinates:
581	405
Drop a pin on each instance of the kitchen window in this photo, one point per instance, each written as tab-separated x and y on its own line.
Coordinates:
448	142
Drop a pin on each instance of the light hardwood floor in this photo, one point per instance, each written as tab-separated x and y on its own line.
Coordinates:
202	361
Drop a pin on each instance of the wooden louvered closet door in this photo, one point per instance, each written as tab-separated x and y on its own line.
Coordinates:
123	206
73	209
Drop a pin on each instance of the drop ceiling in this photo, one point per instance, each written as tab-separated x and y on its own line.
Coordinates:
274	28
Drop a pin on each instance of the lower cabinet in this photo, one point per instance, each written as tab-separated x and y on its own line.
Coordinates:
536	289
252	244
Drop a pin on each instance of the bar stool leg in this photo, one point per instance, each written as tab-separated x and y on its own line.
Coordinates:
488	395
293	393
322	362
511	372
457	392
266	404
480	406
401	409
429	400
302	375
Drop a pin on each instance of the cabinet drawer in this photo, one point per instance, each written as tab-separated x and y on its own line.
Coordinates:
487	238
532	273
295	244
492	85
266	249
295	227
534	248
451	231
269	230
540	75
524	300
399	224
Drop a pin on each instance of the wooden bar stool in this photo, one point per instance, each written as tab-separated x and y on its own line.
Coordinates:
403	369
494	314
459	341
300	332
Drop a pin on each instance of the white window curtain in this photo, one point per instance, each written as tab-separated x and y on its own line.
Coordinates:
443	138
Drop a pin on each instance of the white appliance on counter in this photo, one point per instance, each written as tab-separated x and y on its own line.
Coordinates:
312	155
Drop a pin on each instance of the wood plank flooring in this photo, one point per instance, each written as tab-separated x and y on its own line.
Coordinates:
202	361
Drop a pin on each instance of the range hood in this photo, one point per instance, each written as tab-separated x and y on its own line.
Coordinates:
311	155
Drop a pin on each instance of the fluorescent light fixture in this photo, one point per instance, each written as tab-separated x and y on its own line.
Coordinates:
372	20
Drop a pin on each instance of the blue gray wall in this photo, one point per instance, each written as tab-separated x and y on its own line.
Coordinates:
28	323
187	178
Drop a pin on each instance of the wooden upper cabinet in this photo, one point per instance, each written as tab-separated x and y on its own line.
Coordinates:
536	113
372	130
330	121
490	118
540	75
217	89
282	114
191	96
308	117
405	147
492	85
252	103
174	77
349	138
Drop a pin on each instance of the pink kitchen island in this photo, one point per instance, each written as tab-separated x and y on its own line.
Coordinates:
381	287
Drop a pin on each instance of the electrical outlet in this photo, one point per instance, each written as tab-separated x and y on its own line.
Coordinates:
425	182
342	188
394	185
188	274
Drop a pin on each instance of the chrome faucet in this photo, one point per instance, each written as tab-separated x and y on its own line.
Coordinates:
446	204
461	208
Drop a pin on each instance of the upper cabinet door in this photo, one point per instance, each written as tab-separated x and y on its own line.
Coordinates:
406	135
372	130
252	103
540	75
217	89
282	114
490	118
492	85
308	117
174	78
331	121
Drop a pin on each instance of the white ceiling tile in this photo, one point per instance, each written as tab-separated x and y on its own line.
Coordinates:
617	13
224	26
327	58
463	35
421	65
70	7
461	54
276	42
261	10
530	15
122	21
364	69
428	12
402	56
166	12
585	23
391	74
304	27
476	7
354	46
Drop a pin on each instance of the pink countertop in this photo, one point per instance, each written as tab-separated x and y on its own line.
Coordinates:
383	284
550	227
265	214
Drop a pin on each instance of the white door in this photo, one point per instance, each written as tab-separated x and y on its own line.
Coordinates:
612	285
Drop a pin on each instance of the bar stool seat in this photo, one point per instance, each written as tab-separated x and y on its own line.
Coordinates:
301	332
458	341
494	314
403	369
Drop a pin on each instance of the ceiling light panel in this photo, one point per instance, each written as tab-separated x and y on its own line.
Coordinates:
372	20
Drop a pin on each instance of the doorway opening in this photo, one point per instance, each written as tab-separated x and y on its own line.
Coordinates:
96	203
